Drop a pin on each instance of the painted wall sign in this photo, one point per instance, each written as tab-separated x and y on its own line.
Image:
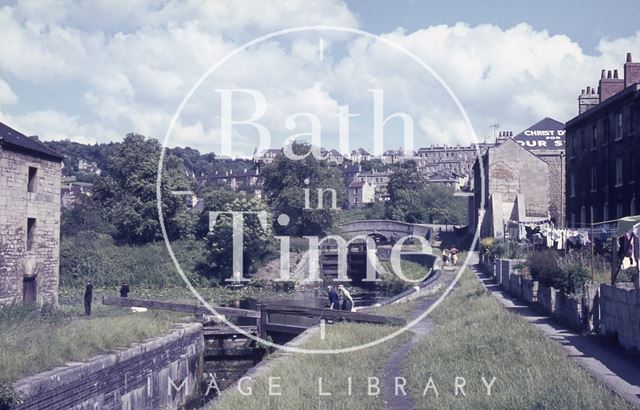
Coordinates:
546	134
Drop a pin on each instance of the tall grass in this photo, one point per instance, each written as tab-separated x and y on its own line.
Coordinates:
299	374
477	337
34	340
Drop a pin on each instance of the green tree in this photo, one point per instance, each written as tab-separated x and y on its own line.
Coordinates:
284	184
127	190
258	241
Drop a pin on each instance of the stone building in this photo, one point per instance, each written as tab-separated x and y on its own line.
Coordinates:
361	193
516	188
546	140
603	177
29	219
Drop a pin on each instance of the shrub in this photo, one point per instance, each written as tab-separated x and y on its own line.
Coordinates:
9	398
486	243
573	278
544	266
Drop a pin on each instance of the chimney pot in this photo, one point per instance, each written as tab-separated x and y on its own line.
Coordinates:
593	90
588	89
609	74
602	74
615	73
629	57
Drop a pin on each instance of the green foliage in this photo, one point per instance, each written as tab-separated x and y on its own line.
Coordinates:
414	200
544	266
9	398
126	191
569	274
258	240
487	243
96	257
573	277
284	184
84	217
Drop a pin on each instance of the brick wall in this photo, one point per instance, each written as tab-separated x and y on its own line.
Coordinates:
149	375
16	205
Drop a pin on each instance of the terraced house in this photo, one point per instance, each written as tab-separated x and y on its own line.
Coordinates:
603	145
30	175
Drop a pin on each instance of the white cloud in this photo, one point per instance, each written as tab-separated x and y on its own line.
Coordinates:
7	96
127	64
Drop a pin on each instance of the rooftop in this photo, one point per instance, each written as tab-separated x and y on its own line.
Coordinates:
15	140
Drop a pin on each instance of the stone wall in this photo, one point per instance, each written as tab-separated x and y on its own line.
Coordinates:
620	314
41	263
530	290
158	374
568	310
547	298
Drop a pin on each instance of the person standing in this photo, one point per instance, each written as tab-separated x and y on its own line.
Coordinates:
334	301
88	298
124	290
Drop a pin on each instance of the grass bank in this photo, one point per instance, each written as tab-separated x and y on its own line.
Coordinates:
35	340
299	374
476	337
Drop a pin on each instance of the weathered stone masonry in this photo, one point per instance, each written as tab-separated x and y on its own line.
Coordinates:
24	268
158	374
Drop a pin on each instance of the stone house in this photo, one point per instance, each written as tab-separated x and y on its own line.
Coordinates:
30	176
516	188
361	193
603	177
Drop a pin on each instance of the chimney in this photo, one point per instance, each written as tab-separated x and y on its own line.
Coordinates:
587	100
631	72
610	86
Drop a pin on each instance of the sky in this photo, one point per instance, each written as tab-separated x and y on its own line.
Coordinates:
94	70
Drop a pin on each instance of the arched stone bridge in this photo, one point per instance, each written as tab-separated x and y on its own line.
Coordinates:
385	230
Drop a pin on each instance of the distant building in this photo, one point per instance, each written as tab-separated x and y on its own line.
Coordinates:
88	167
361	193
267	156
30	219
379	180
73	192
333	156
247	180
394	156
359	155
445	159
603	147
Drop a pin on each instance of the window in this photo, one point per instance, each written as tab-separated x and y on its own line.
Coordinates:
573	220
619	171
594	137
573	145
631	119
572	187
33	178
606	130
583	216
632	206
31	230
583	141
619	123
594	179
619	212
605	212
632	171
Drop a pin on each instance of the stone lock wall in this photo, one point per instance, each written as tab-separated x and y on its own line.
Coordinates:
161	373
620	314
16	205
